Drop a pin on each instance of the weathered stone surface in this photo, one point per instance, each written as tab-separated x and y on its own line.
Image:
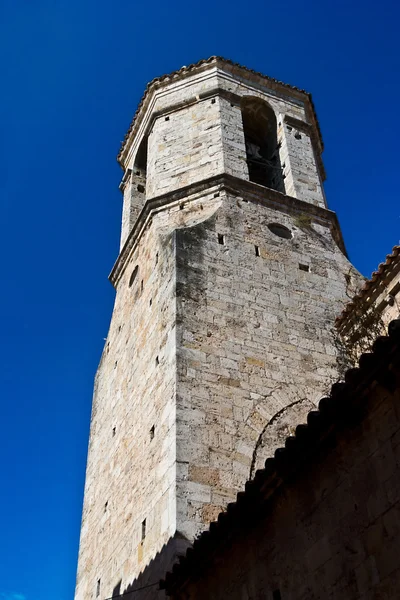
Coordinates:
254	339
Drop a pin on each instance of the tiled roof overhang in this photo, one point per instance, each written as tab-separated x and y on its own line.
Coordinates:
213	60
378	277
342	408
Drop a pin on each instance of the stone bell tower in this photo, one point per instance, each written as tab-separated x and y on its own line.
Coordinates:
230	275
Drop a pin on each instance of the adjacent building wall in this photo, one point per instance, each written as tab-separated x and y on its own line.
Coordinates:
332	532
369	312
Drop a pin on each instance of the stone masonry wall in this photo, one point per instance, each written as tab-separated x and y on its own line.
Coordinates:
218	349
332	532
206	138
131	472
165	99
255	344
300	164
185	148
131	469
233	143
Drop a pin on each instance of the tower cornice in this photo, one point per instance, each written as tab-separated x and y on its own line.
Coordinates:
217	185
228	66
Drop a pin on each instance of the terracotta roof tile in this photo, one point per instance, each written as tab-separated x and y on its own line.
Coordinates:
376	277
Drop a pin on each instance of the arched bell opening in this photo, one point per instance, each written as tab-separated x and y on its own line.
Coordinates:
262	150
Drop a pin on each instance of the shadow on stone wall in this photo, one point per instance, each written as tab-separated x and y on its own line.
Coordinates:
146	585
277	429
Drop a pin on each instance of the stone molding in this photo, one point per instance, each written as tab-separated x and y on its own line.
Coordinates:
217	184
125	179
224	65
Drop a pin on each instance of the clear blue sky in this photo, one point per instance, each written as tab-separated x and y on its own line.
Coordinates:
72	74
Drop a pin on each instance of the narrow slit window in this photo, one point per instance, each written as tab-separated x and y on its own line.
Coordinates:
98	588
152	432
221	239
133	276
257	250
143	529
157	361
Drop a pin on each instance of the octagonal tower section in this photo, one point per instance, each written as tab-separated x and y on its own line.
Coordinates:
230	275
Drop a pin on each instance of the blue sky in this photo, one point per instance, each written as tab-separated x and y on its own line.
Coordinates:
72	74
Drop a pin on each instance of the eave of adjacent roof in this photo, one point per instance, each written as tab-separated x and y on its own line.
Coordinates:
377	278
158	81
341	407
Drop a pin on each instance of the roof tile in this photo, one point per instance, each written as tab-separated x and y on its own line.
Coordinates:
376	277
